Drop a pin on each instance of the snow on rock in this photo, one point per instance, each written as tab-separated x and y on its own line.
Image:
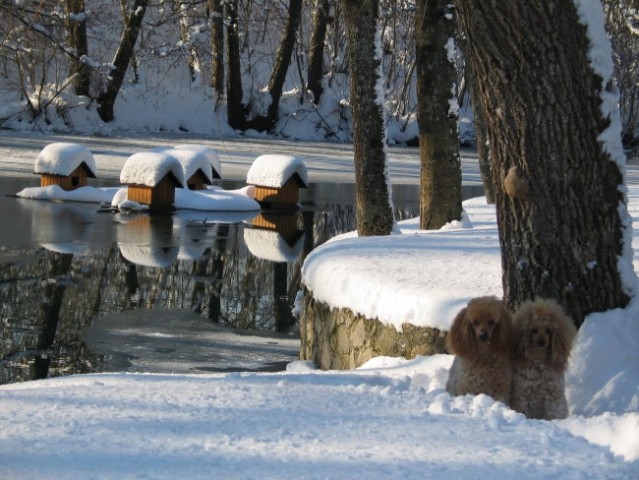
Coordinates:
149	168
273	170
209	153
62	158
384	277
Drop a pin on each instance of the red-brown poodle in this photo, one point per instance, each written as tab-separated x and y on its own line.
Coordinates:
480	337
543	337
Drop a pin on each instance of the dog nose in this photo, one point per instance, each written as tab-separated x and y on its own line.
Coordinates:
541	342
483	336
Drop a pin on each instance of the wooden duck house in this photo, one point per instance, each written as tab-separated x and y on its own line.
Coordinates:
66	165
196	167
277	180
151	178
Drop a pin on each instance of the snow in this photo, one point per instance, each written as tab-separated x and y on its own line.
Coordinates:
62	158
149	168
395	294
274	170
192	161
82	194
211	154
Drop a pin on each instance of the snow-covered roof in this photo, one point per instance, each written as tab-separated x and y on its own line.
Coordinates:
149	168
62	158
192	161
274	170
211	154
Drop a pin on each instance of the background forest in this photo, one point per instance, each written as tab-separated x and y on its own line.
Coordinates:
60	59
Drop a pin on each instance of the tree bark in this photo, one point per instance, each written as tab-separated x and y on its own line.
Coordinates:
76	25
315	71
561	209
372	184
235	108
440	197
280	68
106	100
216	14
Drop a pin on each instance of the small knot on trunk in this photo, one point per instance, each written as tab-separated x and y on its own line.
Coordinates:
516	184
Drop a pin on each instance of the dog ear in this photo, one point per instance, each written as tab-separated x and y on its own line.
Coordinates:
561	341
460	339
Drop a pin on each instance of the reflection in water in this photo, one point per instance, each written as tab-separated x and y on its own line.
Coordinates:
66	269
241	274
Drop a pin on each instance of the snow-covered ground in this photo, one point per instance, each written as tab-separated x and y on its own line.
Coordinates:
390	418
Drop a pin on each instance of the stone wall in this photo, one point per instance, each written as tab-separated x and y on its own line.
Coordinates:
339	339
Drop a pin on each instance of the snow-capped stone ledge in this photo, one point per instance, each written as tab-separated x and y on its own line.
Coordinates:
336	339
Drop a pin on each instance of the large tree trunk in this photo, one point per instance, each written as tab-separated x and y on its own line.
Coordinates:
561	207
315	72
372	184
106	100
76	24
235	107
216	14
440	199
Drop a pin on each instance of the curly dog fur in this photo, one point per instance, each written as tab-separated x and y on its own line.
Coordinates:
480	338
543	337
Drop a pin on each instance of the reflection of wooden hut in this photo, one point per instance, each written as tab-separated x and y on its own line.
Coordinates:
152	178
67	165
274	237
147	240
277	180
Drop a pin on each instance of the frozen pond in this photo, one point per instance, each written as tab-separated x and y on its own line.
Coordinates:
85	291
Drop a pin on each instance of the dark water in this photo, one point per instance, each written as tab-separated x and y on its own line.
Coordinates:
83	291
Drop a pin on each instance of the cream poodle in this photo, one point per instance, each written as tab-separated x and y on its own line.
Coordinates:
543	337
480	338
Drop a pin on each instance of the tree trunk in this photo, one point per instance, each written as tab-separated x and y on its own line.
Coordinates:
561	206
483	150
315	72
185	38
440	198
76	25
280	68
235	108
216	14
372	184
123	55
